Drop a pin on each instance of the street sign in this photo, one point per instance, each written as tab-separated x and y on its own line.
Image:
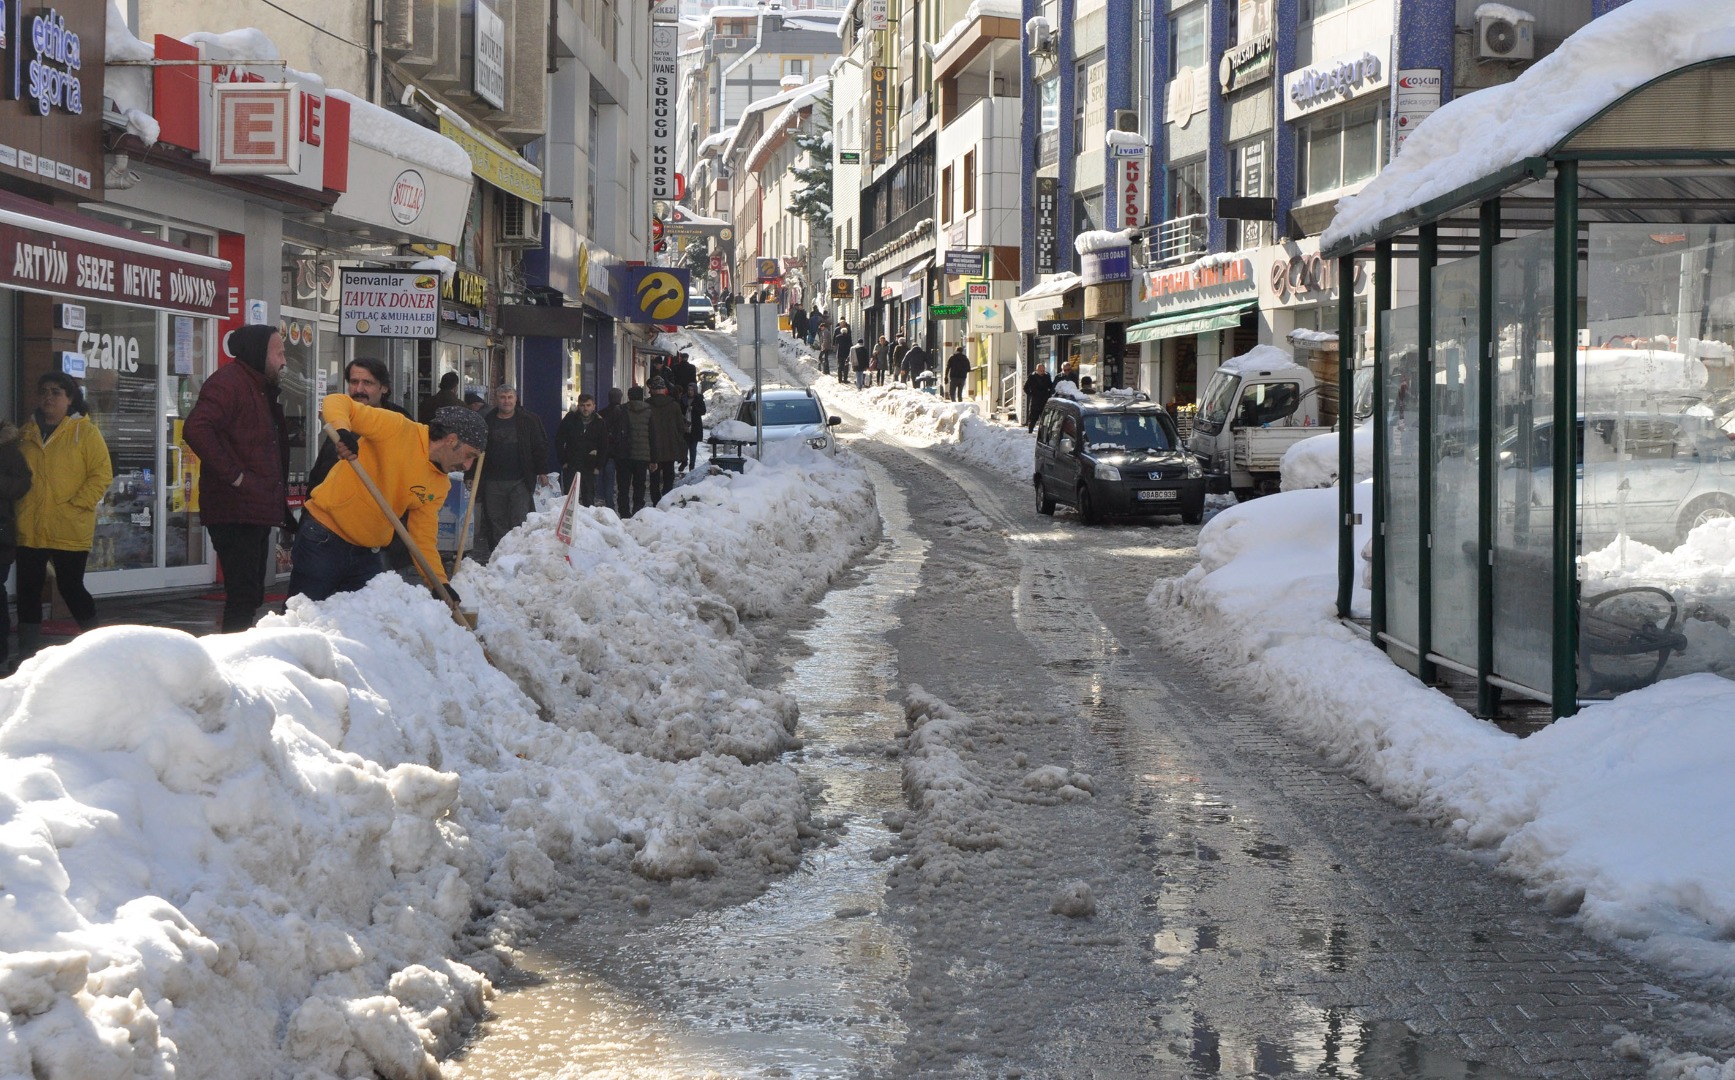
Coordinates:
849	157
978	290
948	311
966	263
716	262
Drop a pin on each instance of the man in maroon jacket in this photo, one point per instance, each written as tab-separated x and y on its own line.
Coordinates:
236	428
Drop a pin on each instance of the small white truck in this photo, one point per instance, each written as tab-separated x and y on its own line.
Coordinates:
1255	407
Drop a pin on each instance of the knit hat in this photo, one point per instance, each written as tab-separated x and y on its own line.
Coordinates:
248	343
470	428
657	383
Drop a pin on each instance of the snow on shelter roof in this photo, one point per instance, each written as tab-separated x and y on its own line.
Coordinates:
1487	132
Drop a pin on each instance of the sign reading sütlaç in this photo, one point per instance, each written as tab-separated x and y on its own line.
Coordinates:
389	303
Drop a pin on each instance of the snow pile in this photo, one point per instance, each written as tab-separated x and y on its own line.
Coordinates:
1619	814
1606	59
1313	339
128	88
957	807
306	847
1007	449
1095	240
1260	360
1313	463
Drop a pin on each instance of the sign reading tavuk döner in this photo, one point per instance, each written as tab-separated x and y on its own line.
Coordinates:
389	303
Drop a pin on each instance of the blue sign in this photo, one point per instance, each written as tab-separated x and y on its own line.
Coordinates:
651	294
966	263
1101	267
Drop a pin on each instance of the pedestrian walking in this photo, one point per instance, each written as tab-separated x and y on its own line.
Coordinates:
825	342
433	403
842	342
814	320
615	432
900	350
238	432
69	475
343	530
957	371
1038	388
632	471
518	452
693	410
681	372
880	360
668	440
14	483
581	446
916	360
860	360
798	322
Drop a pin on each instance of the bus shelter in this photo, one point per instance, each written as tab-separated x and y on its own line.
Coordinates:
1554	467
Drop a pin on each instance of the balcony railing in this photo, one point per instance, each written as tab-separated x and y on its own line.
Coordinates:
1180	240
898	226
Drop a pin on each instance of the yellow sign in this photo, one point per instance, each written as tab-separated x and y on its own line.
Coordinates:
583	267
662	297
494	163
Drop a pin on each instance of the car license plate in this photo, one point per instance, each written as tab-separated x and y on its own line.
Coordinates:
1157	496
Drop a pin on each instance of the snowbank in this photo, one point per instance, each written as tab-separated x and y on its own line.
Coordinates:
1621	814
306	848
959	426
1313	463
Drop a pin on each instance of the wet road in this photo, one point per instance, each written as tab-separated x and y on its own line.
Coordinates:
1256	913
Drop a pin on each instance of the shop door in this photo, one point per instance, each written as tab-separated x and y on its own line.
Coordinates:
314	368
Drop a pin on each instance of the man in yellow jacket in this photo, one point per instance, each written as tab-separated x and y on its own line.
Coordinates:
343	531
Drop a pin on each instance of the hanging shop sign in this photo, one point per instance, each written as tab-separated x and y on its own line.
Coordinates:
1345	78
48	251
879	14
652	294
842	288
493	162
490	81
966	263
987	316
389	303
770	270
1126	206
665	81
879	85
1111	264
1418	98
255	132
1047	224
977	290
852	260
1245	64
186	106
937	312
1187	286
51	112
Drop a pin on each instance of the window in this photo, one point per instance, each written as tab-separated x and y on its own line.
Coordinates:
795	67
946	195
969	192
1340	148
1127	431
593	150
1187	39
1187	189
1313	9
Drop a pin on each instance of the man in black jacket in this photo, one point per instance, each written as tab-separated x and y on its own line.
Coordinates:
581	444
1038	388
957	370
517	453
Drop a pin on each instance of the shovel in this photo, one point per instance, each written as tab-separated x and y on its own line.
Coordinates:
439	586
469	507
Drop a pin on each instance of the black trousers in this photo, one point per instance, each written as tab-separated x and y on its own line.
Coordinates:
954	389
242	551
68	576
662	481
629	486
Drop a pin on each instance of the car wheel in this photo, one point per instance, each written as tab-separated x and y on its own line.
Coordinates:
1193	515
1246	494
1703	509
1044	504
1087	507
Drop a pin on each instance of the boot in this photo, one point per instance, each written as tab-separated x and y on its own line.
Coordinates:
29	640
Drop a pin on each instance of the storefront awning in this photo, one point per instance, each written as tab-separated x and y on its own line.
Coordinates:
46	250
1059	291
1197	321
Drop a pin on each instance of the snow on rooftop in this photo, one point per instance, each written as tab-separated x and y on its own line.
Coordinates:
1103	240
129	88
978	10
1482	133
1259	358
1053	286
402	137
1501	11
717	141
804	94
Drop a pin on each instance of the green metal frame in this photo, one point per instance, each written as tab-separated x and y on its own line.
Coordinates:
1427	255
1346	339
1528	171
1382	431
1487	505
1565	468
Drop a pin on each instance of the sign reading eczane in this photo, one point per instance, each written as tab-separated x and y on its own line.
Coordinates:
389	303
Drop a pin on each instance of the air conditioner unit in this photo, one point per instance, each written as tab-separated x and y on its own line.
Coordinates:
1039	37
1502	37
520	224
1126	120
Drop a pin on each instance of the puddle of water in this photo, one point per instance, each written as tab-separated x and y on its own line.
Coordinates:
1325	1043
795	983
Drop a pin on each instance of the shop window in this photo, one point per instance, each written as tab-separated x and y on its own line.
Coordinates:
120	348
1187	39
969	187
1187	189
1341	148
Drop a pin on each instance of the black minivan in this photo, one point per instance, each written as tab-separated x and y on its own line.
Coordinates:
1115	455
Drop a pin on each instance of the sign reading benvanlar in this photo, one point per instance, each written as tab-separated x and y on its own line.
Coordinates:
389	303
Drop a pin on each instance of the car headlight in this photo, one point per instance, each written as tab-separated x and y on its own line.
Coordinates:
1107	472
819	443
1194	469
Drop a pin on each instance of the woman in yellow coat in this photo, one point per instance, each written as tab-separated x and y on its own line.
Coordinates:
70	473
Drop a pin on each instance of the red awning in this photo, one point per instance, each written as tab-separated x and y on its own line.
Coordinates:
48	250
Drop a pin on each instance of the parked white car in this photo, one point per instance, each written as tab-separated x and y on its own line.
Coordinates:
792	413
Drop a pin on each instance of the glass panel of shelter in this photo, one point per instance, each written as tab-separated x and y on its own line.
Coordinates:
1402	488
1657	498
1453	457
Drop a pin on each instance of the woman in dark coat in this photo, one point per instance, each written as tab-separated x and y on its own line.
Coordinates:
693	408
14	482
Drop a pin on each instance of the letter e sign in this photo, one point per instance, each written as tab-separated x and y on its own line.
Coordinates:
255	129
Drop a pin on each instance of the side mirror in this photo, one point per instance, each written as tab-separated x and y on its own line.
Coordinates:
1066	445
833	421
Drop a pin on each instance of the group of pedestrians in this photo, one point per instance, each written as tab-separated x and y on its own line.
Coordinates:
630	453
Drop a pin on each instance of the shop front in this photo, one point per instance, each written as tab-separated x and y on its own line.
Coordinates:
1298	306
131	314
1050	316
1189	320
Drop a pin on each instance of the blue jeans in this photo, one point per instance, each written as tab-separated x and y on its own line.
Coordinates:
327	564
605	484
861	378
